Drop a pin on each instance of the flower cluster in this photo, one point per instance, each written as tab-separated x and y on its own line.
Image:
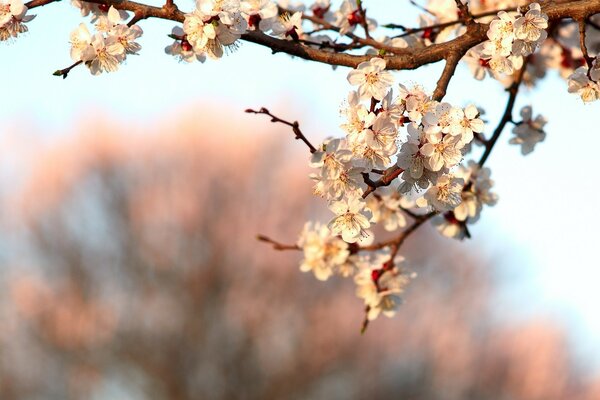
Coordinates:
12	18
512	37
216	25
528	132
380	282
584	82
474	194
324	254
109	46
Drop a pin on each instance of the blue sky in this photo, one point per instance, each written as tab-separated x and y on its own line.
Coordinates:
543	230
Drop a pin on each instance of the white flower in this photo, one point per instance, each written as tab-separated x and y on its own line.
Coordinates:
109	53
410	158
11	9
13	18
464	122
479	66
81	44
447	225
386	209
476	193
382	135
380	284
182	49
371	78
358	118
105	23
332	158
442	154
198	33
529	132
351	220
417	102
502	28
393	109
126	36
580	83
323	253
260	14
531	27
349	16
287	27
444	195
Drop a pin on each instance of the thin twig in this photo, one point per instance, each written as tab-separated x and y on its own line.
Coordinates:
422	8
586	56
411	31
294	125
463	12
506	117
364	22
388	176
65	71
277	245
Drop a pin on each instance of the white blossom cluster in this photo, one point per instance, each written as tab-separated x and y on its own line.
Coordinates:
426	141
379	280
12	18
473	196
528	132
584	82
513	36
109	46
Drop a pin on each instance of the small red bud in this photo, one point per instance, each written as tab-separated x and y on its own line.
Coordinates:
254	20
355	18
484	63
104	7
186	46
320	11
376	274
427	33
451	218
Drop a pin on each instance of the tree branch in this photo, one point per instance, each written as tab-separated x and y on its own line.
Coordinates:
400	59
388	176
447	73
586	56
294	125
506	117
277	245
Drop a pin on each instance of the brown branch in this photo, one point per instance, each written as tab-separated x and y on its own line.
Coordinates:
388	176
294	125
277	245
442	25
363	14
463	12
38	3
447	73
401	59
402	236
586	56
506	117
365	42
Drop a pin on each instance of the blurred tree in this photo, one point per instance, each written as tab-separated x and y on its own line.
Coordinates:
145	282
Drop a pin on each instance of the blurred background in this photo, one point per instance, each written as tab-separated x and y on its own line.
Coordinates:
129	269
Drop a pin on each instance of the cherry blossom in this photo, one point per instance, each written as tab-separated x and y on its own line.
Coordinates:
371	78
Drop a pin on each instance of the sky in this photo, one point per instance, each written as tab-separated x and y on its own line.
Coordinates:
542	231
